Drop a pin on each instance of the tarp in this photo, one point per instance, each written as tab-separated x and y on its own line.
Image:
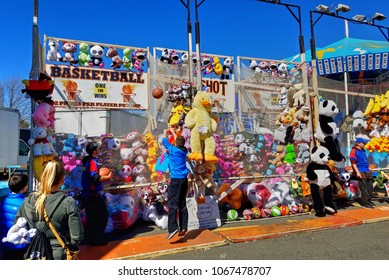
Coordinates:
349	54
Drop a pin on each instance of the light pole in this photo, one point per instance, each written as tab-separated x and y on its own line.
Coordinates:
189	30
197	27
361	19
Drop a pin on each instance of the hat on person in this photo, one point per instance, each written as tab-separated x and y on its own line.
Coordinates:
91	147
360	138
180	141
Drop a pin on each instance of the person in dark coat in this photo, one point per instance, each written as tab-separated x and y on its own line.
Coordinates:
93	198
62	210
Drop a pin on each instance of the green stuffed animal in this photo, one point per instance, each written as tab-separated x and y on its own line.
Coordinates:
83	55
290	155
127	62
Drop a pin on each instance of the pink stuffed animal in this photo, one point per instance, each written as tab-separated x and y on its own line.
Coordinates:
70	161
43	115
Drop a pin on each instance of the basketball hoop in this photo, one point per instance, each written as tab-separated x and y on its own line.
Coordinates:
218	104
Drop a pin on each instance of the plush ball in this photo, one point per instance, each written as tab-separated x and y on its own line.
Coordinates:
284	210
275	211
232	215
256	212
294	209
157	93
247	214
266	213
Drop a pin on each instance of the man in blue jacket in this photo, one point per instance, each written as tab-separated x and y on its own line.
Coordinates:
178	186
18	184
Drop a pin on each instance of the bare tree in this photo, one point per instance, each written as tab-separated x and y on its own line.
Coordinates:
11	96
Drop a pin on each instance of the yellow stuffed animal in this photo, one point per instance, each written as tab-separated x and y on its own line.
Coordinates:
202	124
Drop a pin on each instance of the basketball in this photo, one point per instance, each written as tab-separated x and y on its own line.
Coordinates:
232	215
104	171
275	211
247	214
265	213
284	210
294	209
256	212
157	93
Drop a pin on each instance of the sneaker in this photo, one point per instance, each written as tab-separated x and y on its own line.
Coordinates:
182	232
367	205
171	234
320	214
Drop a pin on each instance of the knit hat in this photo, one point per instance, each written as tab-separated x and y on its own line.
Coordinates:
91	147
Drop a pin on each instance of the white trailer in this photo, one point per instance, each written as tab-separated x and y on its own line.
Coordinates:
9	137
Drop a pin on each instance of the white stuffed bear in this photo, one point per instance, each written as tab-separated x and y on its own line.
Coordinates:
298	96
303	153
53	53
19	233
149	213
40	141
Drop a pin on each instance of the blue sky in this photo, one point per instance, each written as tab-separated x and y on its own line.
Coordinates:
230	27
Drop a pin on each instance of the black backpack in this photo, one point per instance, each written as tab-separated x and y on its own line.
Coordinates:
39	248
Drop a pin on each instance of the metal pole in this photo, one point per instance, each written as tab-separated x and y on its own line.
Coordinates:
197	27
315	94
346	97
189	30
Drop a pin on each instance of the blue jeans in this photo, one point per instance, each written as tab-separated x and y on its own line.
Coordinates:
177	203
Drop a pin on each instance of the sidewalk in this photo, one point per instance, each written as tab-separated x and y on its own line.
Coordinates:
143	247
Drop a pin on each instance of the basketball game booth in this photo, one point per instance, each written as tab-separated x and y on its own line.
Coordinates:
248	152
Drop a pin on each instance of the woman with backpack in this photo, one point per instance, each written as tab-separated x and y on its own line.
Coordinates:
61	210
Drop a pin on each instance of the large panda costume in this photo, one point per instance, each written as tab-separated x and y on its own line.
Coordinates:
321	177
327	131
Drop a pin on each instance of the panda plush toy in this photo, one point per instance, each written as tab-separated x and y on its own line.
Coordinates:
321	177
228	68
327	130
96	54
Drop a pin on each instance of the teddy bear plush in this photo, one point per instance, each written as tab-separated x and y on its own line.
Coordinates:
70	161
202	124
114	55
302	115
321	177
232	198
69	48
290	155
327	130
40	141
53	53
303	153
43	115
278	156
19	233
298	96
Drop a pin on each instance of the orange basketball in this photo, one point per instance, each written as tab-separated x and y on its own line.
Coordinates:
157	93
104	171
